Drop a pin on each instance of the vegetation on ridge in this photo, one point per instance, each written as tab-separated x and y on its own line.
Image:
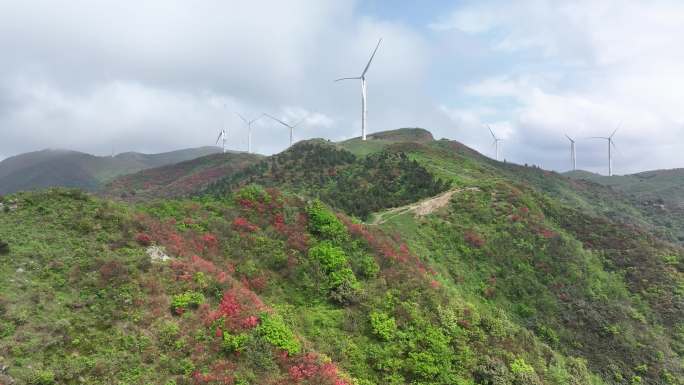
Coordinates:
523	277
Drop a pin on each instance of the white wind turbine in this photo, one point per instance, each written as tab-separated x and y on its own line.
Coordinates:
496	141
611	145
249	130
573	154
290	126
222	135
363	91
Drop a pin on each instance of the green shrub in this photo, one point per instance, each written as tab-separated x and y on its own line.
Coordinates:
234	343
168	333
383	325
366	265
4	247
331	257
273	329
42	377
187	299
254	193
519	366
324	224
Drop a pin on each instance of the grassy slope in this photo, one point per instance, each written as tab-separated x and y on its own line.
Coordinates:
81	302
526	280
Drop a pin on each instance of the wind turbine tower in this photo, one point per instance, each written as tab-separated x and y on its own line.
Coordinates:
222	136
496	142
290	126
364	110
249	130
573	154
611	145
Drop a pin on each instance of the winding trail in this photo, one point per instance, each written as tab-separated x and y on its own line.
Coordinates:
420	208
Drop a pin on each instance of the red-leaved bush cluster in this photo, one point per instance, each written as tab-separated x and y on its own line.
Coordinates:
143	239
243	225
473	239
239	310
177	244
310	368
385	247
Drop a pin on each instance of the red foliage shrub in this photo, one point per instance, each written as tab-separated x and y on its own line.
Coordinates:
243	225
473	239
112	271
201	264
210	241
309	368
250	322
239	308
143	239
546	233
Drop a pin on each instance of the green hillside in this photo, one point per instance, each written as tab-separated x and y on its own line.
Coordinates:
63	168
658	194
401	260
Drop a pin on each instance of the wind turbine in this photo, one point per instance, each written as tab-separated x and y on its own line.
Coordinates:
364	110
249	130
290	126
611	145
222	135
573	154
496	141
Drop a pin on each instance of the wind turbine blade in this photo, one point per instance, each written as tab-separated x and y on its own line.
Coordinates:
242	117
299	122
357	78
257	118
277	120
569	138
371	58
611	135
219	137
491	132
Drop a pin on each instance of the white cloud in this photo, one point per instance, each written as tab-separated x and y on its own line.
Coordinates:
154	76
582	68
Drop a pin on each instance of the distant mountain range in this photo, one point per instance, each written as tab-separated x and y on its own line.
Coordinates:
47	168
659	193
178	179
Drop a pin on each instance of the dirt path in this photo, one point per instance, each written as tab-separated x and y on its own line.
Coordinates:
421	208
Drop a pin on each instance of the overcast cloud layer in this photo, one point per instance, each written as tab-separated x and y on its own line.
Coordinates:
155	75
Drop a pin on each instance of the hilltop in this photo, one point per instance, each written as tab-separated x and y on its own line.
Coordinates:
48	168
399	260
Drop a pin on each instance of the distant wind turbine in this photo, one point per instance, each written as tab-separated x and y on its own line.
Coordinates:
496	141
223	134
290	126
249	130
611	145
364	110
573	154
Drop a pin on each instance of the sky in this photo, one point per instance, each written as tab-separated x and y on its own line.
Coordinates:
103	75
